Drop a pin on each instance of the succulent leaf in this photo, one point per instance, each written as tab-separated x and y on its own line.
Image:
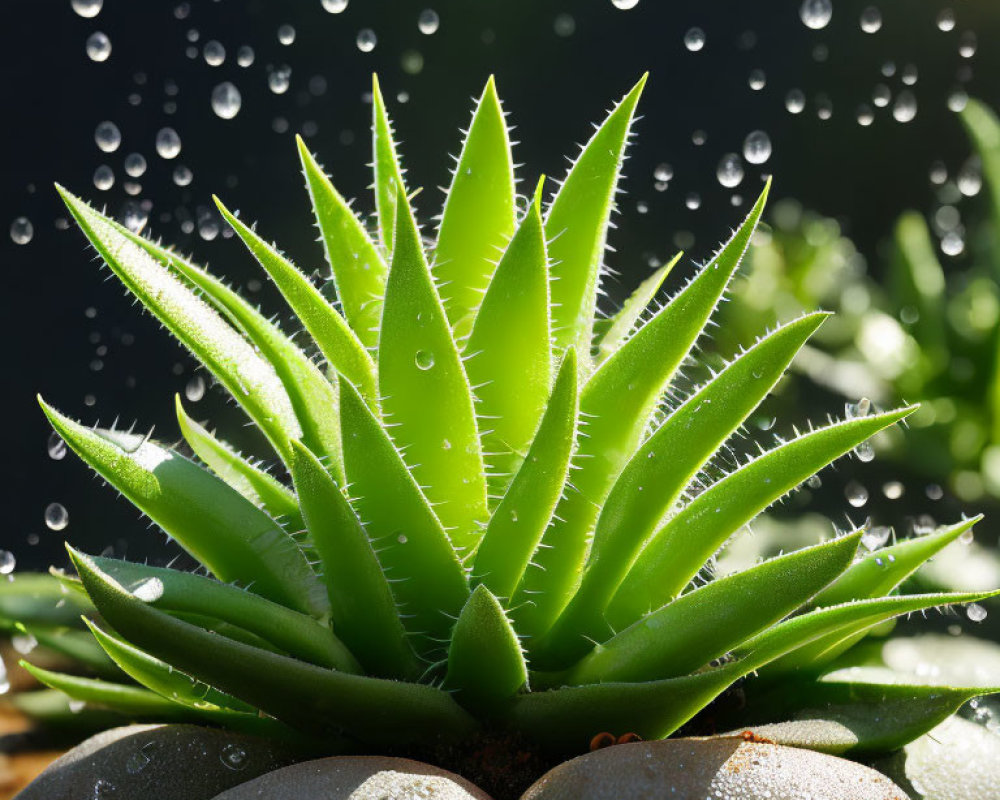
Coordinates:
227	533
359	271
426	397
388	175
485	664
362	605
478	216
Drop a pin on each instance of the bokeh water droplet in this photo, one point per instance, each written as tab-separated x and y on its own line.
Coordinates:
56	447
694	39
56	516
233	757
730	170
663	172
107	136
7	562
816	14
21	230
625	5
98	46
795	101
88	9
168	143
893	490
757	147
366	40
946	20
564	25
871	20
135	165
104	177
428	21
135	217
757	80
952	244
693	201
245	56
286	34
967	45
881	95
335	6
195	389
424	359
856	494
865	115
970	179
182	175
909	75
279	78
226	100
905	108
975	612
214	53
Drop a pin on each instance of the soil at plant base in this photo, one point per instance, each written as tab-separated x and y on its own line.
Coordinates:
18	770
500	763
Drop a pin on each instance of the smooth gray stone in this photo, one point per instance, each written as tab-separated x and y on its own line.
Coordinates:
957	760
724	768
166	762
357	778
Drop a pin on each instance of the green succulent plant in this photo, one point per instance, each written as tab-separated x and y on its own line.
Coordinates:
495	517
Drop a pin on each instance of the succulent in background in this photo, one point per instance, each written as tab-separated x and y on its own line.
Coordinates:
495	519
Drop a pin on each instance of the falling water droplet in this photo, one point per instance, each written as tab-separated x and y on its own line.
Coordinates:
428	21
195	389
757	147
214	53
21	230
107	136
286	34
424	359
279	78
694	39
564	25
88	9
816	14
663	172
757	80
7	562
135	165
98	46
56	516
625	5
946	20
730	170
182	175
871	20
168	143
970	180
366	40
795	101
881	95
56	447
865	115
135	217
856	494
967	45
104	177
245	56
693	201
335	6
893	490
952	244
226	100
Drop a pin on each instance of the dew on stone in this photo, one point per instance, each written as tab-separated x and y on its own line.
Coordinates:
366	40
663	172
214	53
905	107
88	9
428	21
98	46
140	759
103	789
233	757
245	56
856	494
168	143
865	115
21	230
967	45
946	20
871	20
694	39
730	170
795	101
56	447
893	490
975	612
757	79
875	536
7	562
625	5
334	6
881	95
135	165
195	389
424	359
104	177
56	516
757	147
226	100
816	14
564	25
279	78
693	201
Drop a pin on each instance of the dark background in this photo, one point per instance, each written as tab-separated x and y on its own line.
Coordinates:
554	86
